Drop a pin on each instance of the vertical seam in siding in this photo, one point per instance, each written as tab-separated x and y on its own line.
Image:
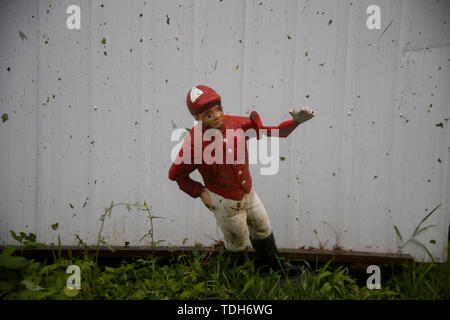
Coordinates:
341	183
38	229
244	53
444	187
292	182
398	94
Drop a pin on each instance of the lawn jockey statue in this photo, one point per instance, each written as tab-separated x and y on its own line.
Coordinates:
227	189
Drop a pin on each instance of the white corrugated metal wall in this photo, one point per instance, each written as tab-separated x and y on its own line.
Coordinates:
89	120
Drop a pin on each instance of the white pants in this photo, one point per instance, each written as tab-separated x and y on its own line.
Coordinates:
237	218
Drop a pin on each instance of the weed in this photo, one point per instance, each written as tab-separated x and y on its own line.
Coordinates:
416	232
138	206
25	239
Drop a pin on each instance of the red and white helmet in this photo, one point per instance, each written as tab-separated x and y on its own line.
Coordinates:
201	98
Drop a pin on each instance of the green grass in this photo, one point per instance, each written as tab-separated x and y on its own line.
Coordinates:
422	281
199	275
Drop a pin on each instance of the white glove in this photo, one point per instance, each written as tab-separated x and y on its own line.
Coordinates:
302	115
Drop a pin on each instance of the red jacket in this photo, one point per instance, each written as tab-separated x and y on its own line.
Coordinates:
231	181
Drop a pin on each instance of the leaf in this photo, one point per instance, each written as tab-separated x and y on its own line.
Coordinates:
14	263
15	236
138	295
110	269
4	117
426	217
6	286
398	233
48	268
425	248
55	226
32	243
423	229
33	295
323	275
143	237
247	285
325	288
30	237
30	285
8	250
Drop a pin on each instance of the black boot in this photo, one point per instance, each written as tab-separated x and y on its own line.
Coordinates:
267	255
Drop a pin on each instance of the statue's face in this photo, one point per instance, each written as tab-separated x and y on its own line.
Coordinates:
211	118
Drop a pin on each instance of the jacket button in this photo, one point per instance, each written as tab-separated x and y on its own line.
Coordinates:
240	172
243	182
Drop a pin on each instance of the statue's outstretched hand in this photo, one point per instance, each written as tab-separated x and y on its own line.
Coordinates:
302	115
